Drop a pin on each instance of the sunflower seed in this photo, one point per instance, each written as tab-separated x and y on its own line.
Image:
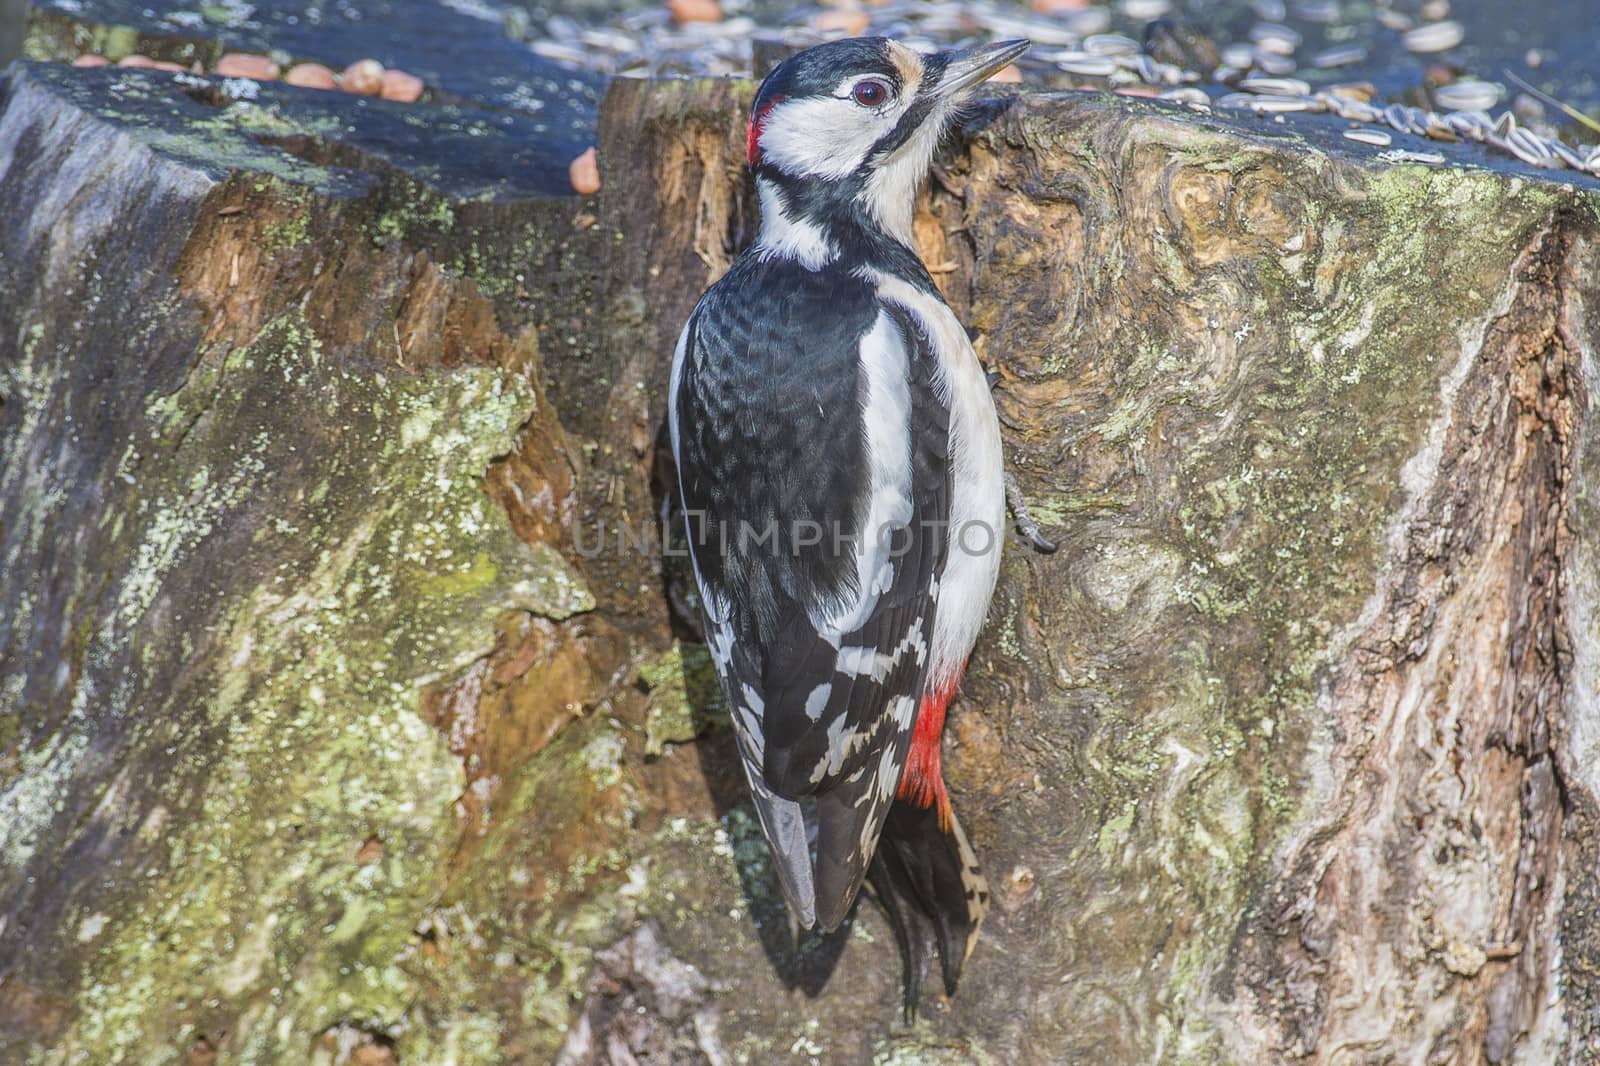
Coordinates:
1565	154
1239	55
1400	155
1366	136
1468	94
1350	106
1083	63
1271	63
1269	105
1110	44
1470	124
1270	10
1343	56
1504	125
1282	39
1322	11
1188	95
561	53
1433	37
1394	20
1144	10
1530	148
1276	86
1397	115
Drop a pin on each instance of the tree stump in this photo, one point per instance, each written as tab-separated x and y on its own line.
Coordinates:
343	711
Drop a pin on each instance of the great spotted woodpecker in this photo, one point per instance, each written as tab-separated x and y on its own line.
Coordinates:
839	465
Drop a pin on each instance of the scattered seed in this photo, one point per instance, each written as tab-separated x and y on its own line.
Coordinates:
1438	129
683	11
1110	44
1393	20
1433	37
1239	55
1144	10
1282	39
1472	125
399	85
1400	155
1530	148
1468	94
1322	11
1566	154
364	77
842	21
1188	95
89	59
1343	56
1277	104
244	65
1366	136
136	60
1085	64
584	173
311	76
1274	64
1276	86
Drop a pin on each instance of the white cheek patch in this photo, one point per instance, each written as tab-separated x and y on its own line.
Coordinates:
891	191
825	137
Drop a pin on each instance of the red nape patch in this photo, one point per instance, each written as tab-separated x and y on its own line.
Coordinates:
758	122
923	780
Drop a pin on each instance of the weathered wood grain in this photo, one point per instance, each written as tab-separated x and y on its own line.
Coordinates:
324	722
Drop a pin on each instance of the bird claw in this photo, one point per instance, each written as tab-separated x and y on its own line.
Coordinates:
1026	525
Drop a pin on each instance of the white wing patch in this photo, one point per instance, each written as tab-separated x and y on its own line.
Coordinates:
855	661
886	420
977	481
818	700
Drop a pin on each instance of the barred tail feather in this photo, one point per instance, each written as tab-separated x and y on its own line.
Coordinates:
926	877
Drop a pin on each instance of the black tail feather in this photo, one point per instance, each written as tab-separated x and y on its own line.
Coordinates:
928	883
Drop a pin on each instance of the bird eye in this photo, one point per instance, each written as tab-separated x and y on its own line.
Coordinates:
870	92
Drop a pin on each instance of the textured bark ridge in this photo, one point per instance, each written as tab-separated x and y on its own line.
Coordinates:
332	730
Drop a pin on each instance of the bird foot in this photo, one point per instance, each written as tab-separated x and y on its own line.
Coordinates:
1019	507
1026	525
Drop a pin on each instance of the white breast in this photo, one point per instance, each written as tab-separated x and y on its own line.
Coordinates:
977	481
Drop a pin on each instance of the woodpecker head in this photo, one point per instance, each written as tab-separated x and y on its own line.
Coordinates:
843	132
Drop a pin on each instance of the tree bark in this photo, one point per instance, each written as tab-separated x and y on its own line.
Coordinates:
329	727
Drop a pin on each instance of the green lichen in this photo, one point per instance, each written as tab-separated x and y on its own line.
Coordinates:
685	698
386	576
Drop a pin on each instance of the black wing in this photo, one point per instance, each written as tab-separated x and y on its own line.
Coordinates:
812	451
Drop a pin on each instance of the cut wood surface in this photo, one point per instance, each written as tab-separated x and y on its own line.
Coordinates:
339	723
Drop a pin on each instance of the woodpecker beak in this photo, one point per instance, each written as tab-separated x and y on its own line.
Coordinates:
969	66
